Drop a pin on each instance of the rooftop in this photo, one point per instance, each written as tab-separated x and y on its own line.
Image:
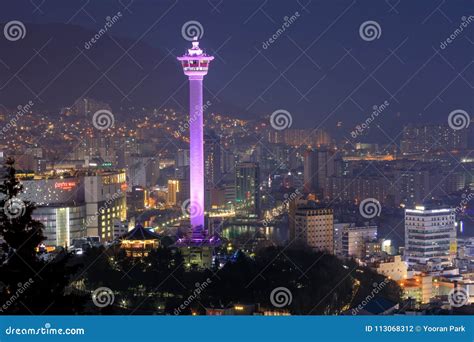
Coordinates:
140	233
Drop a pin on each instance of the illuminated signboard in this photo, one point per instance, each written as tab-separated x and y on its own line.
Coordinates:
64	185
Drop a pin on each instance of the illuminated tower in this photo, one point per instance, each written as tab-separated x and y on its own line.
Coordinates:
195	65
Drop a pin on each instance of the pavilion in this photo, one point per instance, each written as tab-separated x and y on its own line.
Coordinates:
139	241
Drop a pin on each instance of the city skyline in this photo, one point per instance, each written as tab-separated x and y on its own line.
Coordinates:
342	98
325	166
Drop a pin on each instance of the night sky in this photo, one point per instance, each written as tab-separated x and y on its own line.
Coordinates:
319	69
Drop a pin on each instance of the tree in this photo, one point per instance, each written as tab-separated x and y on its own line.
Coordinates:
21	233
45	293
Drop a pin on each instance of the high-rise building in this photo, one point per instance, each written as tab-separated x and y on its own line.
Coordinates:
356	188
318	166
74	207
137	198
60	207
229	192
127	148
182	158
101	147
355	238
212	160
430	236
337	236
247	189
173	192
212	167
218	198
106	202
299	137
412	186
143	171
227	161
313	226
182	175
62	223
425	138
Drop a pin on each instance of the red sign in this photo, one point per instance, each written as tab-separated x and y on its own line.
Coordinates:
64	185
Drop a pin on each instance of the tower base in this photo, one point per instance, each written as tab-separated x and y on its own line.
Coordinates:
197	248
197	257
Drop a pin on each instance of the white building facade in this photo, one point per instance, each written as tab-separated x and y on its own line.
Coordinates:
430	236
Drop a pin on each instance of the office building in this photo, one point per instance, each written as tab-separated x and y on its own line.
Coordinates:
430	236
425	138
412	186
357	188
60	207
62	223
182	158
137	198
212	160
318	166
106	202
394	268
247	189
173	192
299	137
143	171
313	226
351	240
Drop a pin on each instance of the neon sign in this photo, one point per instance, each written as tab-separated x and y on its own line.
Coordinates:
64	185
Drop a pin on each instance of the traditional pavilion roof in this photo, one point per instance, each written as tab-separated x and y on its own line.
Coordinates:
140	233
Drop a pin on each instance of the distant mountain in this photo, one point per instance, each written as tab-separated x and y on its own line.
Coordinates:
52	67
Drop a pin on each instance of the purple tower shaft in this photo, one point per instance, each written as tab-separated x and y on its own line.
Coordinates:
195	65
196	142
